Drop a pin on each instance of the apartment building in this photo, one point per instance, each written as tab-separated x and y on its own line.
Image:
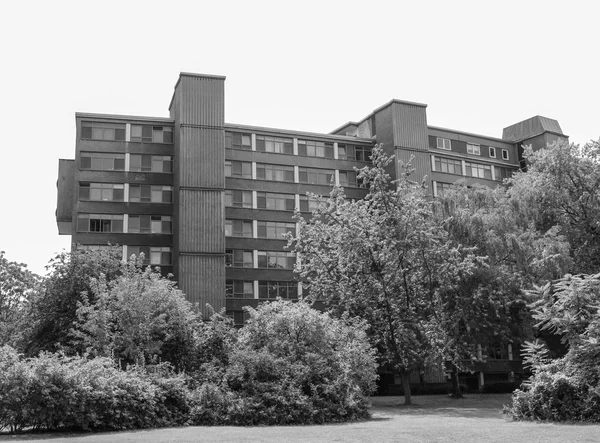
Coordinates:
210	202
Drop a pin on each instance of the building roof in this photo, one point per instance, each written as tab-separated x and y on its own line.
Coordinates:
530	128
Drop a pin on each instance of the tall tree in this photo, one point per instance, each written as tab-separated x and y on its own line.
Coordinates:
384	259
562	188
53	310
518	255
139	317
17	285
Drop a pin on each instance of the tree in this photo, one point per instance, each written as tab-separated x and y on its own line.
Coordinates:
385	259
518	255
17	285
53	310
140	317
562	188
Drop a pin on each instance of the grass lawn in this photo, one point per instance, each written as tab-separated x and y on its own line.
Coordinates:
475	419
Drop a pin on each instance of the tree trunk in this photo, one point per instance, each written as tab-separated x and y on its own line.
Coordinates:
455	383
405	376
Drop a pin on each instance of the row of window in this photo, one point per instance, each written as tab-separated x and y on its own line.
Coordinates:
268	200
306	148
264	229
153	255
283	173
116	192
477	170
118	132
472	148
99	161
239	258
266	289
114	223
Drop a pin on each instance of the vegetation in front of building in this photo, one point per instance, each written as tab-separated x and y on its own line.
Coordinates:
407	281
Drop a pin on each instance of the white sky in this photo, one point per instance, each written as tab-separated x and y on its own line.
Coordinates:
305	65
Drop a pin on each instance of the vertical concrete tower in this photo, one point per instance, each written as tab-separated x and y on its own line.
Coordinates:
199	182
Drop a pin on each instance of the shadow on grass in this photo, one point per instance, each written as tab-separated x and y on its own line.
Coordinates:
472	406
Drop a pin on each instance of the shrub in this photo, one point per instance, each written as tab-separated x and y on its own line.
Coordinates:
567	389
57	392
291	365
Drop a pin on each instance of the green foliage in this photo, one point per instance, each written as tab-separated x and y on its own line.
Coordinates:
53	391
138	318
17	286
387	260
569	307
291	365
567	388
53	310
562	188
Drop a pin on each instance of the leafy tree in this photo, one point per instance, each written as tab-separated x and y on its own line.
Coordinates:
562	187
387	260
17	285
518	255
53	310
140	317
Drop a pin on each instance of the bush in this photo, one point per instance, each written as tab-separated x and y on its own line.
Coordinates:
57	392
291	365
567	389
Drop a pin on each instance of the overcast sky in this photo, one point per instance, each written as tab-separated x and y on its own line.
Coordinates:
302	65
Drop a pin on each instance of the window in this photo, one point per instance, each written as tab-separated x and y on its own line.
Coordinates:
348	178
444	143
238	140
239	289
473	149
238	169
274	289
316	176
100	223
492	152
150	224
275	201
277	173
102	162
150	163
479	171
238	228
448	165
150	194
101	192
363	153
153	255
277	230
502	173
442	187
276	259
346	152
307	204
504	154
354	153
238	258
238	199
309	148
151	134
273	144
103	131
